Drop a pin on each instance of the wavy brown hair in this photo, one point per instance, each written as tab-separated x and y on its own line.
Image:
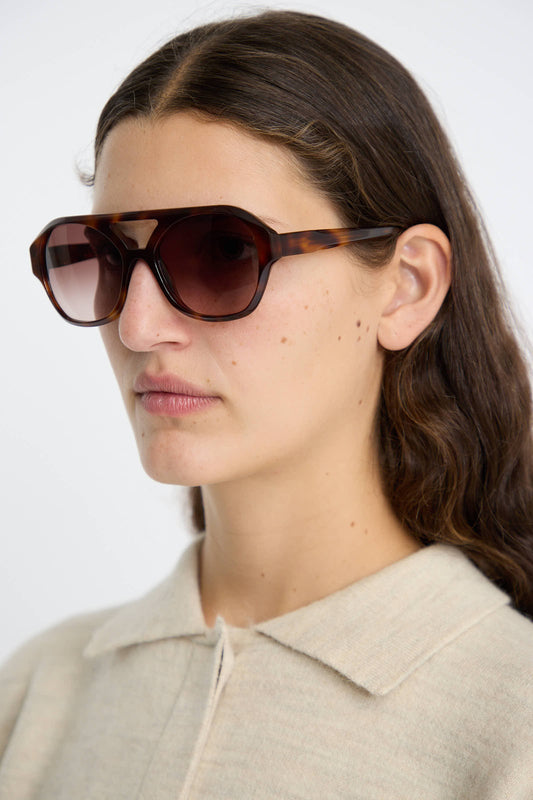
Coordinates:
454	420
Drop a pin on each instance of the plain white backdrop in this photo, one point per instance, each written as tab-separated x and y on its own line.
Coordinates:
81	526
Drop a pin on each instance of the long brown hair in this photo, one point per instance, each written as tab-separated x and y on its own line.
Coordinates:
454	420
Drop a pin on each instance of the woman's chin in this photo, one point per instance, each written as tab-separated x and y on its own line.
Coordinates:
177	471
168	459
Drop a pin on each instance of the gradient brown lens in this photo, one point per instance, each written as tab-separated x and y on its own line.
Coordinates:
84	270
212	262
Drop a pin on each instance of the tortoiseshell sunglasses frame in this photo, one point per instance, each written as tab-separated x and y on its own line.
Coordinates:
271	246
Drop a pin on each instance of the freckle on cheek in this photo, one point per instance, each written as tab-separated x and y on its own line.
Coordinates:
358	323
306	307
339	338
360	403
367	328
358	338
283	339
234	363
352	524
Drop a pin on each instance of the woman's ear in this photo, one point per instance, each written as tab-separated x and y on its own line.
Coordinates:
421	273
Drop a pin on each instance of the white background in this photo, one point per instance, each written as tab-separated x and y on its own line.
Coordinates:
81	526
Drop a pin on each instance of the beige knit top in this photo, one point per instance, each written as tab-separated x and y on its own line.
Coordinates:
415	683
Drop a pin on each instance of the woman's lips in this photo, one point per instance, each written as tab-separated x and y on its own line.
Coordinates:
173	405
168	395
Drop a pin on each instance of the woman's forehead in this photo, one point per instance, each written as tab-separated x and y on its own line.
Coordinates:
184	160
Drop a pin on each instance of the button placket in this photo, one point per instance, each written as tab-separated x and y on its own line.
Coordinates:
175	763
223	660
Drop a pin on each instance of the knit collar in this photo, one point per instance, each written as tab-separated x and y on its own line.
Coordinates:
375	632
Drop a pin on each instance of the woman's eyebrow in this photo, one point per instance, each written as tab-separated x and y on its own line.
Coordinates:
274	223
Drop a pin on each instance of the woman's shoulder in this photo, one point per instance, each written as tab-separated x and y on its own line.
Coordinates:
482	645
136	620
512	629
63	641
500	646
50	659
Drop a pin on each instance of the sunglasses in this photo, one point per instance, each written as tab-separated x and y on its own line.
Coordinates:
212	263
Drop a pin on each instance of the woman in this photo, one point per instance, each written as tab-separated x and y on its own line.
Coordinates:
353	403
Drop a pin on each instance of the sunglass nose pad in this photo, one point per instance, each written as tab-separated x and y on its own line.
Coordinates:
139	257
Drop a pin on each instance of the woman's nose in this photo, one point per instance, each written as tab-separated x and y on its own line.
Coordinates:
148	321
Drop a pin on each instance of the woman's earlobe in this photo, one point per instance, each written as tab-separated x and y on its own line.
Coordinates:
422	274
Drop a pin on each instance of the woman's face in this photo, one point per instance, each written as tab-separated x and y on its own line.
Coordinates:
292	385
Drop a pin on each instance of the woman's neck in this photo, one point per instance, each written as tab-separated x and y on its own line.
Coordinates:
274	544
